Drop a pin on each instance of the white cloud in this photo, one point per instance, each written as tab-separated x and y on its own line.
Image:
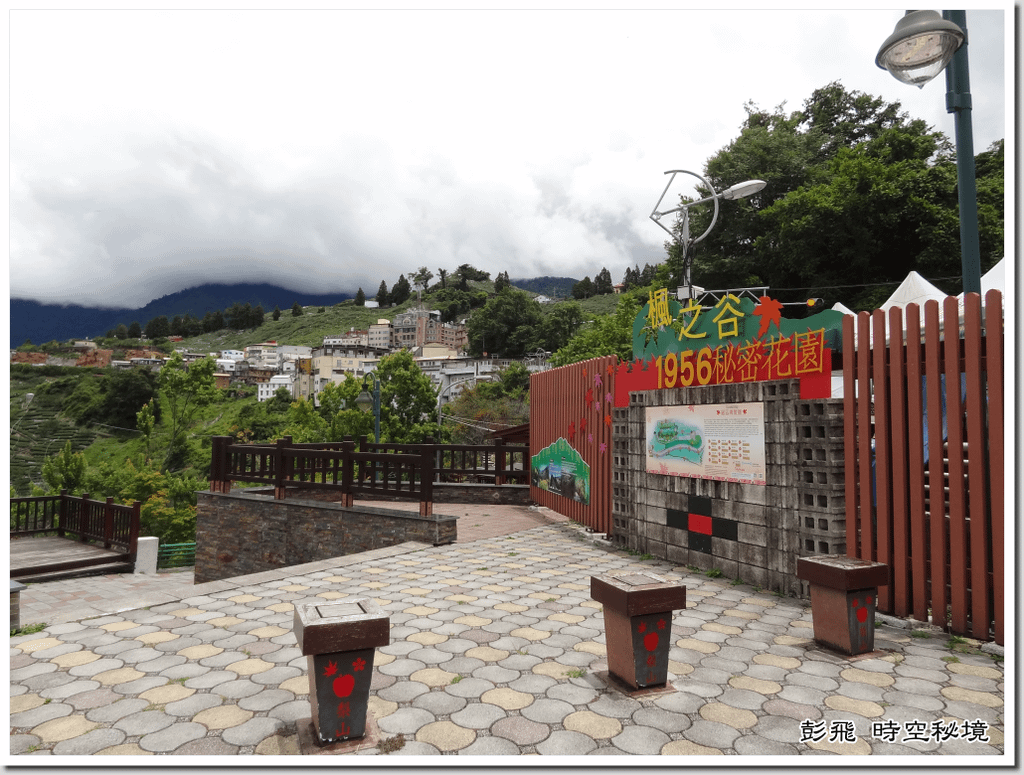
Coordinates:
153	150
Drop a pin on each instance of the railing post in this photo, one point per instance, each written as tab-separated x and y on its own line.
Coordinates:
347	470
108	522
426	482
83	518
62	512
133	530
499	462
362	444
279	472
218	466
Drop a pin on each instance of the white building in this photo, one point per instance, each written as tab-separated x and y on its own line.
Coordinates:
232	355
265	391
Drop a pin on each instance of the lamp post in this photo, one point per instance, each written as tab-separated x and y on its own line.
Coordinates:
365	402
920	47
738	191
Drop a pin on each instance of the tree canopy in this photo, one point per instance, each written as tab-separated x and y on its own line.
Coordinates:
857	193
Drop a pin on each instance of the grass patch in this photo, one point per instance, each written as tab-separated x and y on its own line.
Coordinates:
28	629
577	673
391	744
456	679
920	634
714	573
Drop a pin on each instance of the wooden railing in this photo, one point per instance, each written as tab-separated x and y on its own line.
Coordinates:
114	526
337	467
407	471
924	459
499	463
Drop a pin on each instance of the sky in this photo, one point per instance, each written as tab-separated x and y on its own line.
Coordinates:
325	150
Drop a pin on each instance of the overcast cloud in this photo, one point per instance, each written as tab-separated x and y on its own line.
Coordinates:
152	151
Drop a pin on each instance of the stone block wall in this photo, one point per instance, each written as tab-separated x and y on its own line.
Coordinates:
759	530
243	532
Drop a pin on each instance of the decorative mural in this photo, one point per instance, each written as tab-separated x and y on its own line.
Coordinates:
559	469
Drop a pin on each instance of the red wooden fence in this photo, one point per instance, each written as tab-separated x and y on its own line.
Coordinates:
937	524
559	408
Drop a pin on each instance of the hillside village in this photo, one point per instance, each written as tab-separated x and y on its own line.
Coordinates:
438	348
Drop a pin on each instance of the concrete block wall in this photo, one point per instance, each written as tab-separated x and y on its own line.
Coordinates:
242	532
760	530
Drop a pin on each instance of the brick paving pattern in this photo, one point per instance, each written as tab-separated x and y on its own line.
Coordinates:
497	649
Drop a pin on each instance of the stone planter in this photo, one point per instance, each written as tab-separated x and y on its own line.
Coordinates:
638	625
339	640
843	594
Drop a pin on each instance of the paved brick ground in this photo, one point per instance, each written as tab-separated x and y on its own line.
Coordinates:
497	649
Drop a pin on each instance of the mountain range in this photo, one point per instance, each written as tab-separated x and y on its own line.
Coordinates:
41	323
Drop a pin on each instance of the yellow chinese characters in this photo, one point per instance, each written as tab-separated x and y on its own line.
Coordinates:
728	317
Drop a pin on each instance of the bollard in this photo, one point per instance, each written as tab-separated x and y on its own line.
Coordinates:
16	588
339	640
638	624
843	594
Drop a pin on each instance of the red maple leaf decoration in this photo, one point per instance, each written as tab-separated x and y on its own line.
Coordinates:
661	624
331	669
769	311
358	665
642	627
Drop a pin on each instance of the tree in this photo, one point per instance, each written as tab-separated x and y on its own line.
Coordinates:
511	324
276	314
182	392
442	273
584	289
400	291
501	282
561	324
382	294
360	298
134	331
422	279
158	328
296	310
603	283
408	400
145	421
65	471
257	316
121	332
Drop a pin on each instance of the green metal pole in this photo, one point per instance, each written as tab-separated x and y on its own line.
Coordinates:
958	102
376	408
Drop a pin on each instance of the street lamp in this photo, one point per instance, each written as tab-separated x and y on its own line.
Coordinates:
738	191
365	402
920	47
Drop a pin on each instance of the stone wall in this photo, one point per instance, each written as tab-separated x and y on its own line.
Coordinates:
759	530
243	532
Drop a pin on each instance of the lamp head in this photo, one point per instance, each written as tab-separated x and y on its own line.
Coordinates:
920	47
364	401
744	189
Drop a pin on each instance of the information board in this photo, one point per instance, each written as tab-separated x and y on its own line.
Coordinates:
724	442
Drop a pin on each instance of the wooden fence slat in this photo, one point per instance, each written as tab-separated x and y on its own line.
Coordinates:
915	461
958	556
850	437
994	380
977	469
938	548
865	433
883	439
900	570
